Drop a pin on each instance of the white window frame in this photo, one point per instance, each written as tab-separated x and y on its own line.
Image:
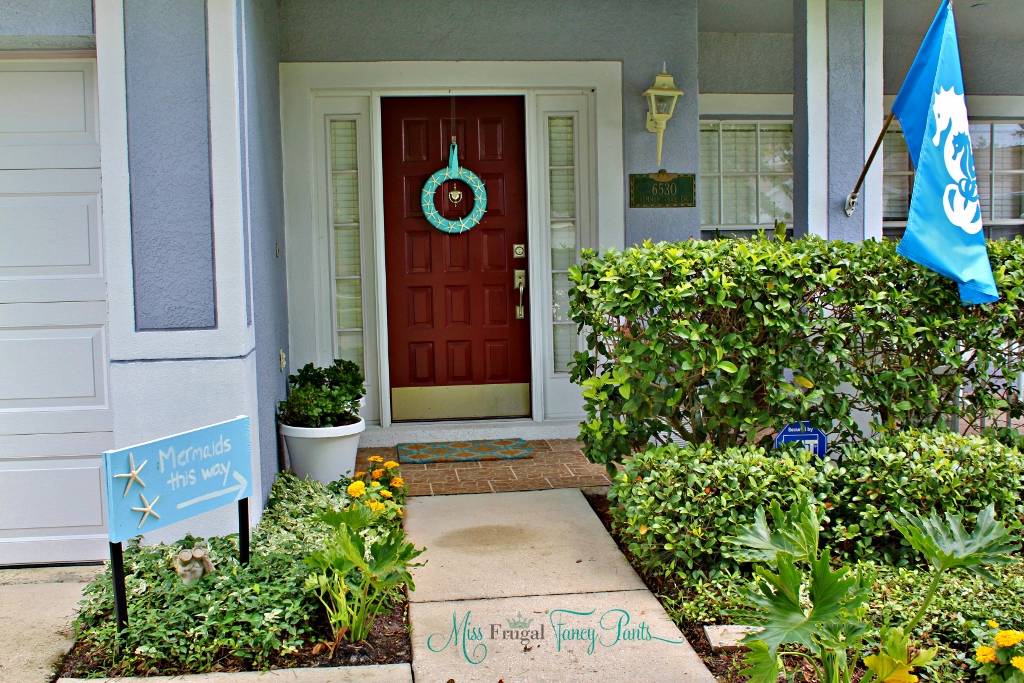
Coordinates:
712	230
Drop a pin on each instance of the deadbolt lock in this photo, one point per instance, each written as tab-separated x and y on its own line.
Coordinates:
519	282
518	251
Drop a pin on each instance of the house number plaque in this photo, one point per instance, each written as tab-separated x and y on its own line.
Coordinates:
662	190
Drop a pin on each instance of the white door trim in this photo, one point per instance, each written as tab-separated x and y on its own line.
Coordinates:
303	83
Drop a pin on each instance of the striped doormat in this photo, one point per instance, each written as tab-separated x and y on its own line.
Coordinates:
463	451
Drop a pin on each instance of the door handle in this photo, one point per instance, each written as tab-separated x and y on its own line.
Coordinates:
519	282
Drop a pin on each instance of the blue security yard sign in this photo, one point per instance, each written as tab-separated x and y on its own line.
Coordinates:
813	440
158	483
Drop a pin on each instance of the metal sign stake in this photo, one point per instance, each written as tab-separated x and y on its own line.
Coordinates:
243	531
120	595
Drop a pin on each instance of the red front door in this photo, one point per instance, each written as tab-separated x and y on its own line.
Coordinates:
456	346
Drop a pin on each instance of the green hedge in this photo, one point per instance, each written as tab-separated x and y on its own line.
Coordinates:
919	472
674	504
726	341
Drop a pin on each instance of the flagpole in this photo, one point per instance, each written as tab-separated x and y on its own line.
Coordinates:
851	200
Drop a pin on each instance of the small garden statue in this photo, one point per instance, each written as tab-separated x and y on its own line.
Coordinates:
192	564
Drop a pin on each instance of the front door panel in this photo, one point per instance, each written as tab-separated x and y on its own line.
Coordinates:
456	346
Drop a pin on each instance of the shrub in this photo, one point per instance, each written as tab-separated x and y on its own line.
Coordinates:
726	341
323	397
721	342
919	471
675	504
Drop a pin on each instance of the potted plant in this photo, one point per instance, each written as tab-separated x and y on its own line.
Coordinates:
320	420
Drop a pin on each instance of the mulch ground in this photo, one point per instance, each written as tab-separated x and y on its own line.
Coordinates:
388	644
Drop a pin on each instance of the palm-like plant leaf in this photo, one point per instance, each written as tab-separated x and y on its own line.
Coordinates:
783	617
796	533
763	666
948	546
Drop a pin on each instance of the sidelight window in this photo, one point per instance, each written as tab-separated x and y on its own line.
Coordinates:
563	222
348	290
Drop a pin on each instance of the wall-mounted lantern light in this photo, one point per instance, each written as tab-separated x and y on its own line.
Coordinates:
661	102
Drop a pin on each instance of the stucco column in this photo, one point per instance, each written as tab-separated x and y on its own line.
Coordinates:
837	114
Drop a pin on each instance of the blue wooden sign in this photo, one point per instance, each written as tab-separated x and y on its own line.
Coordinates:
165	481
813	440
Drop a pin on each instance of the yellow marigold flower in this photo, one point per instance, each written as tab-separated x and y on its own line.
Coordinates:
375	484
375	505
375	458
390	464
397	483
356	489
993	624
359	475
985	654
1009	638
377	474
386	493
399	512
1017	663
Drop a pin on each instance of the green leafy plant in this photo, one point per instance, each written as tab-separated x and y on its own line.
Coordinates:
726	341
323	397
805	602
673	504
353	576
920	471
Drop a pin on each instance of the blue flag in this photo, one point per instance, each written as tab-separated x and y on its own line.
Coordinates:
944	226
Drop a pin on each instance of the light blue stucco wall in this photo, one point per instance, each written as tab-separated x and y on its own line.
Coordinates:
169	164
845	115
992	65
745	62
46	25
266	221
640	35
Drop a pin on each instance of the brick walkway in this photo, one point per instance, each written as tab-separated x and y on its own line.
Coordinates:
556	464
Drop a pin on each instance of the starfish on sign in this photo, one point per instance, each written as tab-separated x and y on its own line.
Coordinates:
147	510
133	475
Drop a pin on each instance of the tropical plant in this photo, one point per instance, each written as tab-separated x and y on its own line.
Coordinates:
806	603
323	397
353	576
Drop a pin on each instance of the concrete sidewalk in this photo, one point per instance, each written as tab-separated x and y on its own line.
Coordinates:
529	587
36	610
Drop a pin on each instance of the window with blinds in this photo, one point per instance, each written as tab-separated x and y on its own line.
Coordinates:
746	176
563	226
348	299
999	160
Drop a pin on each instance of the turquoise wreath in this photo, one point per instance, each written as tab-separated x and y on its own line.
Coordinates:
454	172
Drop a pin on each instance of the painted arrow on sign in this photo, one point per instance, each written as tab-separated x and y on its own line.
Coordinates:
242	483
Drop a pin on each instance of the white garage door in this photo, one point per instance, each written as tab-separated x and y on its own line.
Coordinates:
54	404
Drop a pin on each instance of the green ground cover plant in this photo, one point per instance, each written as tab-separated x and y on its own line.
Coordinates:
726	341
242	616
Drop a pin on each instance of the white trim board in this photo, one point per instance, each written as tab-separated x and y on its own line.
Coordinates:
984	106
356	89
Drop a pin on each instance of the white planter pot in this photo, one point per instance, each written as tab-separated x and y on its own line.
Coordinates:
324	453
